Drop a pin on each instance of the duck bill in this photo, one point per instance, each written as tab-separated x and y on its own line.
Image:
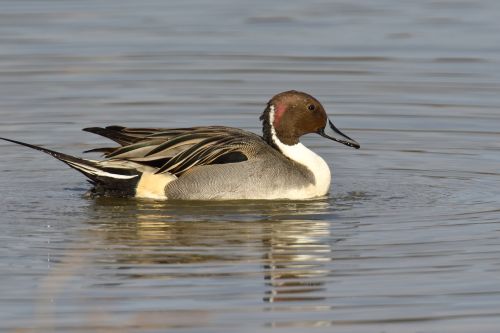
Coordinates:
333	133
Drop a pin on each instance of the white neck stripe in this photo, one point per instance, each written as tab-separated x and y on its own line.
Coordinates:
304	156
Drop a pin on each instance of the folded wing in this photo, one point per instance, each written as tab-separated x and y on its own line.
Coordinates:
178	150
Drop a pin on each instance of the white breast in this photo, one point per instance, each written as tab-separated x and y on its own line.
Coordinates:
312	161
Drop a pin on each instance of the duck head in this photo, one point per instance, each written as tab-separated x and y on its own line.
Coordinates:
291	114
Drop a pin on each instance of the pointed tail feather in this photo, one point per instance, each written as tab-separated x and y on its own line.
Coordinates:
91	169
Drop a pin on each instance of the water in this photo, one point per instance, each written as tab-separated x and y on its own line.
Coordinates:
408	240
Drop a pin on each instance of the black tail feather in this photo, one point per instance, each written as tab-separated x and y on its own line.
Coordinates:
97	174
65	158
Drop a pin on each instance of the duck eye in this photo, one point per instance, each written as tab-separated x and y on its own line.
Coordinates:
311	107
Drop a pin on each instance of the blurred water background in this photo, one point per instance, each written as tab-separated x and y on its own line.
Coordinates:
407	241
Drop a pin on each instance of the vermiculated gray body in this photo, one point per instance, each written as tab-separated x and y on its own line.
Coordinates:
243	180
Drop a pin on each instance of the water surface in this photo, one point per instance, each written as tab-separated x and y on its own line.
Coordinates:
407	240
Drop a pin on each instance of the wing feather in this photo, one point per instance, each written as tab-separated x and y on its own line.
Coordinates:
177	150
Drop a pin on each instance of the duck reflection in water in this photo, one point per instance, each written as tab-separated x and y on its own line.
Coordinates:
288	240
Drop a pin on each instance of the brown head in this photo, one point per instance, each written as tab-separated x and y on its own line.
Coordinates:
291	114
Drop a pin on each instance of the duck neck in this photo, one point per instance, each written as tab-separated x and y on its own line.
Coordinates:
271	134
267	118
297	152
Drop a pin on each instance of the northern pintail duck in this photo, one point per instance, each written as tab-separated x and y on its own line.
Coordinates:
216	162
